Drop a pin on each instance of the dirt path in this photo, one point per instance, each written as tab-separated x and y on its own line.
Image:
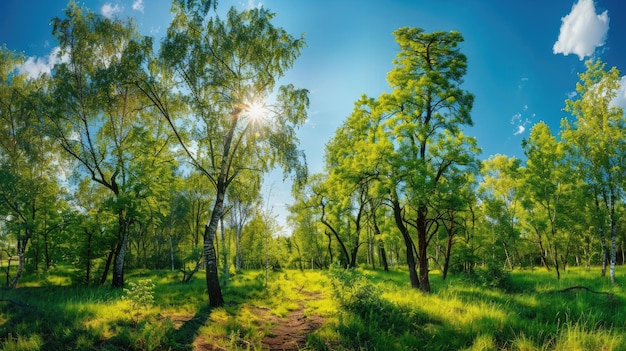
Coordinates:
288	333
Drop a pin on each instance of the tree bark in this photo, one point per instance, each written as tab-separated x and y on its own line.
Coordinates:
410	258
118	265
383	256
224	250
446	263
21	249
107	266
422	245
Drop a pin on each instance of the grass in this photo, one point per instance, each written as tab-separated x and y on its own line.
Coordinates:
363	310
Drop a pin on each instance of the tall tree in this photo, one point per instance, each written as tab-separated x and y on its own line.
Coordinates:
598	139
29	166
95	113
426	109
307	233
500	203
243	198
225	71
544	190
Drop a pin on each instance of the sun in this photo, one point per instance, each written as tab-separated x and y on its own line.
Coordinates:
256	111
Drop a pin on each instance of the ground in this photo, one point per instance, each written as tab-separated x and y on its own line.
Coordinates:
288	333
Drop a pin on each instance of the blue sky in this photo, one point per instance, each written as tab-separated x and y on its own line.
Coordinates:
523	56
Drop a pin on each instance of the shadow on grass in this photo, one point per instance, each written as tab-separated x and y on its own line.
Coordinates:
70	317
38	317
187	333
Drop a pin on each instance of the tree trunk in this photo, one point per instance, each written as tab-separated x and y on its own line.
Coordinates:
212	278
613	247
224	250
446	262
556	263
187	276
118	265
330	247
410	258
120	251
88	256
613	219
542	251
107	266
238	249
172	252
383	256
21	249
422	245
381	246
602	239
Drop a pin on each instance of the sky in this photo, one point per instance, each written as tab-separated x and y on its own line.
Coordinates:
523	56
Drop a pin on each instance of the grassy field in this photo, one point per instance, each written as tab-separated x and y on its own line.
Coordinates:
315	310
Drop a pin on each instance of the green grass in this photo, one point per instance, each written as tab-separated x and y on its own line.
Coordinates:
363	310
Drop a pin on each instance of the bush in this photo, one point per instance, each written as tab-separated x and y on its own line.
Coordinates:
364	300
492	275
140	296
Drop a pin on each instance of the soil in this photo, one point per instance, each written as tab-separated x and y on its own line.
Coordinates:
288	333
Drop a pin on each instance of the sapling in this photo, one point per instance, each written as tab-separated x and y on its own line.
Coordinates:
140	296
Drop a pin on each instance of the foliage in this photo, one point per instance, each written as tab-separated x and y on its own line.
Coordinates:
493	275
140	297
363	310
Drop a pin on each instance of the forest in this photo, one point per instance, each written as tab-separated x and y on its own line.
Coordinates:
135	167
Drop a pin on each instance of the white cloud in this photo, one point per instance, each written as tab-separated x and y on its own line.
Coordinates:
516	118
138	5
620	99
34	66
520	122
108	10
582	30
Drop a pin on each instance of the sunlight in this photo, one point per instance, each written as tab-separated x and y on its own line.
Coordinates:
256	111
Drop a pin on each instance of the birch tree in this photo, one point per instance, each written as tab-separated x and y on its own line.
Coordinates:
226	71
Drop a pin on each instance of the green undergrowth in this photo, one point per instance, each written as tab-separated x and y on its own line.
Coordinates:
362	310
532	311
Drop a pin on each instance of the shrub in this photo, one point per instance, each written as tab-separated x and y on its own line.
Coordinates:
140	296
492	275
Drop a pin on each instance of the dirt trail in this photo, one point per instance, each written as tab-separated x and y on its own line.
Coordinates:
288	333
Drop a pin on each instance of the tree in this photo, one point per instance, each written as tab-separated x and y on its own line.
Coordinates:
307	233
29	188
544	189
225	71
94	111
426	109
244	200
598	141
500	203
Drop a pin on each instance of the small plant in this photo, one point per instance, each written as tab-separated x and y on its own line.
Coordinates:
494	276
140	296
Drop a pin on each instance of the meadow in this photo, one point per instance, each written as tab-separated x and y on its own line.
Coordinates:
319	310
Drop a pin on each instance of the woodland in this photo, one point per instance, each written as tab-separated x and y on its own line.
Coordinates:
136	162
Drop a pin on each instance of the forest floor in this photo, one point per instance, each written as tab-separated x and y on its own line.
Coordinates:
358	309
286	333
290	332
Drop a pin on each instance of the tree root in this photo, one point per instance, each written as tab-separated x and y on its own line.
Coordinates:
609	295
